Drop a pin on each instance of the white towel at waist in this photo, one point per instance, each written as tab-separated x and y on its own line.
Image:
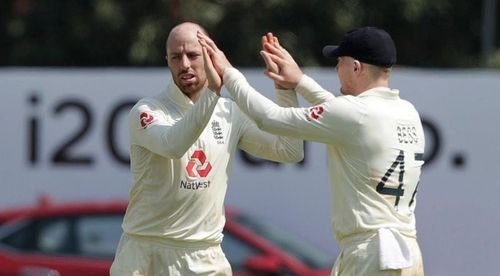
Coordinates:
393	250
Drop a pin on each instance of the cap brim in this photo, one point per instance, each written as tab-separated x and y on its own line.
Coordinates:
331	51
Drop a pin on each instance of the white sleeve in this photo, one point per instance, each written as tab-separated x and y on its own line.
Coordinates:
331	122
312	92
159	133
268	146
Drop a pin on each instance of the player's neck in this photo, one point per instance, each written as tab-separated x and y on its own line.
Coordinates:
196	95
367	85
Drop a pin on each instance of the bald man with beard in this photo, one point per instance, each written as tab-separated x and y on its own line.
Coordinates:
182	143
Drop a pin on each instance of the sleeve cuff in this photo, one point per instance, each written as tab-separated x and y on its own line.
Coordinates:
305	85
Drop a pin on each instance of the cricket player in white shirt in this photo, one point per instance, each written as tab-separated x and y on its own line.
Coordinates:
182	144
375	145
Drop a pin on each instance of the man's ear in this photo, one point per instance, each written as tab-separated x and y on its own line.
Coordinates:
357	66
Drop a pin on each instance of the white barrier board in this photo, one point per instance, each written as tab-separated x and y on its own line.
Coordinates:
64	134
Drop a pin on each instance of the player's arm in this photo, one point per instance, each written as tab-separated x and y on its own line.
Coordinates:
268	146
154	130
332	121
312	92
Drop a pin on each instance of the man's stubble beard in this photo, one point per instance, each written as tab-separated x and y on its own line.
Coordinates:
191	90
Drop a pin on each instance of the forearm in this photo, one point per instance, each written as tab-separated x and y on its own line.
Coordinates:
312	92
271	147
182	135
251	102
288	149
264	145
266	114
171	138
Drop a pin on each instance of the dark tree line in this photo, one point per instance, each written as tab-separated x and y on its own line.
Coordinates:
428	33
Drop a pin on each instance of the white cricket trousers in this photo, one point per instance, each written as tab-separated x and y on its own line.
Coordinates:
359	256
138	256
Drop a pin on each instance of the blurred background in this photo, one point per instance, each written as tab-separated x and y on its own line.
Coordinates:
70	71
439	33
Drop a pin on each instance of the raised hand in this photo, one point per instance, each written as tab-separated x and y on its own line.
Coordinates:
213	78
288	73
270	65
216	56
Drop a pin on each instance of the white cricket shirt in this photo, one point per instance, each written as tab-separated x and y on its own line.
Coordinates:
181	155
375	145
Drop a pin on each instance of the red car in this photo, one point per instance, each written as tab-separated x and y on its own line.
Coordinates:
80	239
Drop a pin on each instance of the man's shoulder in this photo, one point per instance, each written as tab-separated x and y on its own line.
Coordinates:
151	101
347	101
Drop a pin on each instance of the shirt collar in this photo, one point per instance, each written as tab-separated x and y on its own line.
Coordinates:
176	95
383	92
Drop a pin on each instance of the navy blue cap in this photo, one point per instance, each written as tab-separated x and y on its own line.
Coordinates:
367	44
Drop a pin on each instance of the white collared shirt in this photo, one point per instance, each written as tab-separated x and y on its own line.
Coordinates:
181	154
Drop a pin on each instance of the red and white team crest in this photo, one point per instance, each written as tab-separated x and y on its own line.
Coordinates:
146	119
198	165
315	112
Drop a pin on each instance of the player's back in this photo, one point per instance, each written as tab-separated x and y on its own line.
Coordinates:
395	138
377	172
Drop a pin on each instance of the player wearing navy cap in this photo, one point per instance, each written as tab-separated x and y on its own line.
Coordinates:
375	145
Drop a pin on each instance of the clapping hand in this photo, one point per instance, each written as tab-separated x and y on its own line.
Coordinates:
271	66
280	65
213	78
215	61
